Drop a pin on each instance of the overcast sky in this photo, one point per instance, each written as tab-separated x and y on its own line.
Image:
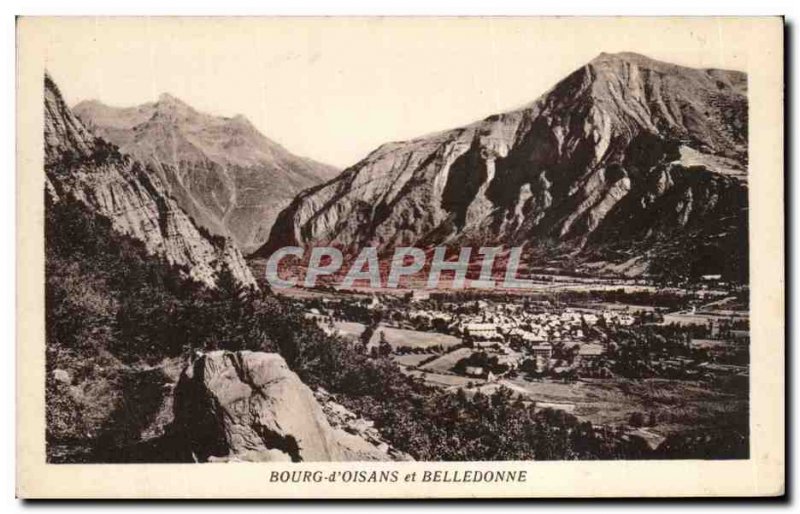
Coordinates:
334	89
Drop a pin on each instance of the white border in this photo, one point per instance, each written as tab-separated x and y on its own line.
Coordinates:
7	109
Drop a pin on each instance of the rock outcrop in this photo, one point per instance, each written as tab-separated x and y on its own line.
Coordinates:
230	178
249	406
626	158
81	167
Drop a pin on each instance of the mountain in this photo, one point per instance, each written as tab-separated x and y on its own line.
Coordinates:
628	165
223	172
81	167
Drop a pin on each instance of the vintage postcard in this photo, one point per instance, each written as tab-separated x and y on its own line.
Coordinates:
400	257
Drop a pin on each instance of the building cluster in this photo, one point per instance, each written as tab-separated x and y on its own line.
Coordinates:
514	336
541	340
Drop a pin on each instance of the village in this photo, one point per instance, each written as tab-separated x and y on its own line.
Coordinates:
601	362
502	339
488	340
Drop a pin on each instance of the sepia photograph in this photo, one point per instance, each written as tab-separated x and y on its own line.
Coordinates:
403	242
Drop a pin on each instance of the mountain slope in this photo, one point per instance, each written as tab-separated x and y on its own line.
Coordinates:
223	172
80	167
613	166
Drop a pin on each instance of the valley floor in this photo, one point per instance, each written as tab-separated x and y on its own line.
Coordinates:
693	375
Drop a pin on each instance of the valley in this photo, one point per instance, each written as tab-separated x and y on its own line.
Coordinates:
612	323
652	370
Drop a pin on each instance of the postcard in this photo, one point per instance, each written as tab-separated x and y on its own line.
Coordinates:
399	257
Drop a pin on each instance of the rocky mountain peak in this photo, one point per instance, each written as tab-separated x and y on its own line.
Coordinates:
230	178
81	167
64	134
626	151
169	101
173	110
629	58
242	120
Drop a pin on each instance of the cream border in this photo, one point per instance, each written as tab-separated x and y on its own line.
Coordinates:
763	474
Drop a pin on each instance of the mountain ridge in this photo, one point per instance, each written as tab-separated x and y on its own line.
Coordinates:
621	138
82	167
228	176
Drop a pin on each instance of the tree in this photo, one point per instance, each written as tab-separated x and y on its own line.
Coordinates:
384	348
636	419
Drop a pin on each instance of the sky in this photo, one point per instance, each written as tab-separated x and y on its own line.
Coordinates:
334	89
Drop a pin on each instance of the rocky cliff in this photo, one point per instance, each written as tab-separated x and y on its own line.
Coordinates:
626	163
82	167
249	406
223	172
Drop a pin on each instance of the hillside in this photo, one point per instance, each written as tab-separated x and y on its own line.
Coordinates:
223	172
624	164
80	167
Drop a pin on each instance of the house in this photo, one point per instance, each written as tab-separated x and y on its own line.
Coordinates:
511	359
474	371
589	353
713	329
527	336
591	350
626	320
478	327
484	331
541	363
544	350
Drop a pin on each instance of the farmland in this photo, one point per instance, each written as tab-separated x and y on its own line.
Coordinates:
401	337
674	404
446	362
412	359
349	329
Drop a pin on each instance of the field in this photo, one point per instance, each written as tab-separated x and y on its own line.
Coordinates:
446	381
687	318
609	306
398	337
676	404
412	359
349	329
446	362
712	344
